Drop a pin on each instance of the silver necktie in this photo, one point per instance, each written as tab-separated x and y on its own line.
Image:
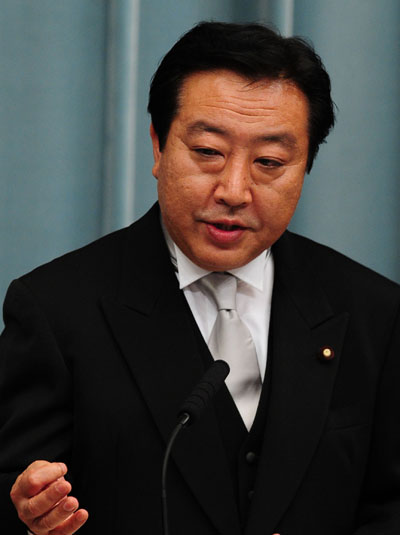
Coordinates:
231	341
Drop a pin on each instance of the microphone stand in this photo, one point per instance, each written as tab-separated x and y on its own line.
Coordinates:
190	411
181	424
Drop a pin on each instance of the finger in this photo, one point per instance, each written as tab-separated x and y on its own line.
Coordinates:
72	524
17	489
44	501
56	516
38	476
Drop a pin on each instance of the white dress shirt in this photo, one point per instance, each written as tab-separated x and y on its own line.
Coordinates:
253	300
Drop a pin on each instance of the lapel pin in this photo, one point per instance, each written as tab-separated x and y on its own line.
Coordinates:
326	353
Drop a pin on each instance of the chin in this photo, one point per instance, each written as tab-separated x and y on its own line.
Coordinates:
214	263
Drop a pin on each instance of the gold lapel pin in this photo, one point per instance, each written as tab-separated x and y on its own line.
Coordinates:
326	353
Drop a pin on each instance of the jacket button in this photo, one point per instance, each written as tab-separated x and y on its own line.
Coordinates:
326	353
251	457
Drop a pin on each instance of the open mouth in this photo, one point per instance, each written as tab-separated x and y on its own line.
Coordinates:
224	234
227	227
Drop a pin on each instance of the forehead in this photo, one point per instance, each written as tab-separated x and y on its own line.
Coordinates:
226	94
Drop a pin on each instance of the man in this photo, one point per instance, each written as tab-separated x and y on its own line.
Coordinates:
102	346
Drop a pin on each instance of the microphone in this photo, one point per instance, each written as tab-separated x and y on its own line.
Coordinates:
188	414
203	393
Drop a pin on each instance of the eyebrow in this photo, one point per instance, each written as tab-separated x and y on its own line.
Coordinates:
288	140
284	138
201	126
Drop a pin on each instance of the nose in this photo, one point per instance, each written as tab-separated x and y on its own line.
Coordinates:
234	184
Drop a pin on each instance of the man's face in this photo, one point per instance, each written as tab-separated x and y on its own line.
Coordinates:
232	169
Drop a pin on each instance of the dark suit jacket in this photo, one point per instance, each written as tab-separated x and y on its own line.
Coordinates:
99	352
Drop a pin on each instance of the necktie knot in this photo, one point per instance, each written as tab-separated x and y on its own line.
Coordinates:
223	288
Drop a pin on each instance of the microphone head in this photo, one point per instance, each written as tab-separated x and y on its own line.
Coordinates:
203	393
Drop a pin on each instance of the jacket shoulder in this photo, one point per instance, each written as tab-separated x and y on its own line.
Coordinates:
339	273
90	264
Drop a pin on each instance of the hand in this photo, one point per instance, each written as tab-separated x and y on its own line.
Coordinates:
40	495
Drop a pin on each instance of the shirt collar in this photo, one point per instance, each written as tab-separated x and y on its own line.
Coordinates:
188	272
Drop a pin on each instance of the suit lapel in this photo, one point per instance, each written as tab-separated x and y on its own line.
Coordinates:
301	385
150	322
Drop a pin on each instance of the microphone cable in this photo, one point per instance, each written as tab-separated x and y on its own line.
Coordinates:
189	413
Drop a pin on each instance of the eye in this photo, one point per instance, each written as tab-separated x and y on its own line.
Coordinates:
268	163
204	151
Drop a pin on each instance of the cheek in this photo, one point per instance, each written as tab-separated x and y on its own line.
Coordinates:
277	204
175	193
176	199
289	198
290	187
184	190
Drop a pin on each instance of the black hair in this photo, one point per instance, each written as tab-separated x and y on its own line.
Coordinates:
253	51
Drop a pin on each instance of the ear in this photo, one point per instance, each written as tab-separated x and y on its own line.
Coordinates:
156	151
